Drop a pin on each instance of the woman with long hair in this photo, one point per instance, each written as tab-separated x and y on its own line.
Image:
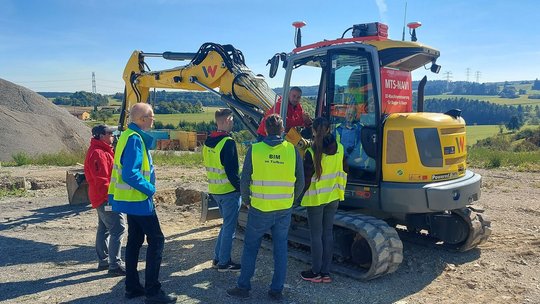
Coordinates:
325	179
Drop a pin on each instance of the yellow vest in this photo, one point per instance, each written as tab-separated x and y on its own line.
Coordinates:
273	177
118	188
331	185
218	183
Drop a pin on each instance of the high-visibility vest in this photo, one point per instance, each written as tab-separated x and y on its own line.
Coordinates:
118	188
331	185
273	176
218	183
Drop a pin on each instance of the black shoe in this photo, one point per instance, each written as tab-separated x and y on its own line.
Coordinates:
119	271
275	295
308	275
102	267
139	292
238	293
160	298
229	267
214	264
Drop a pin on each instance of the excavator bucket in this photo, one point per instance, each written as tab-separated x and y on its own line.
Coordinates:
77	187
209	208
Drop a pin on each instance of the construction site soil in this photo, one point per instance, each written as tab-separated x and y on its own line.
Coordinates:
47	251
30	123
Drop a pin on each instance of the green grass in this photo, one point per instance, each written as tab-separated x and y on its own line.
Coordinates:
490	158
174	119
61	158
475	133
12	193
207	115
522	100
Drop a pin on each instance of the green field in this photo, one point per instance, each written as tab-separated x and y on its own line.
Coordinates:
174	119
207	115
475	133
522	100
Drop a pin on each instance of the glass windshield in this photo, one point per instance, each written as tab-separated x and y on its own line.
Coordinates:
353	109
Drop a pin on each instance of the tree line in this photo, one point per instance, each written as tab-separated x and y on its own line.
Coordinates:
482	112
82	99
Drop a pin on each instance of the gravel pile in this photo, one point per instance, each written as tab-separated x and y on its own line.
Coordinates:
30	123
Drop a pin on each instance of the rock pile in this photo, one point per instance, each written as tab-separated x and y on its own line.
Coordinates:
32	124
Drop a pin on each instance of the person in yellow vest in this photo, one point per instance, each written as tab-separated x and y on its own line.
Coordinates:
325	169
272	179
131	191
221	162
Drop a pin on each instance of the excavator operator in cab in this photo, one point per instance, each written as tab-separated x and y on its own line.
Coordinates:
296	117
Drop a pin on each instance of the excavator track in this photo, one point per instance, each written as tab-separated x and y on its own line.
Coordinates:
365	247
479	231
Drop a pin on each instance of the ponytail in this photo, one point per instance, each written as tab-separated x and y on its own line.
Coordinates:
321	128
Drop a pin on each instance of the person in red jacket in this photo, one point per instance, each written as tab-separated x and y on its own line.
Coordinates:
111	225
296	117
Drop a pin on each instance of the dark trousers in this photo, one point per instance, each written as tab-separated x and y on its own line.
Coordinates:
321	221
138	228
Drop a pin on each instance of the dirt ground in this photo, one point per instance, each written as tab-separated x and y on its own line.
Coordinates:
47	253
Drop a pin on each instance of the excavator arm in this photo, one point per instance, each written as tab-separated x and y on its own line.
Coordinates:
219	69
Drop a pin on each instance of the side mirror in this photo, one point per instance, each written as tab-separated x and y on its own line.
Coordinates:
435	68
274	64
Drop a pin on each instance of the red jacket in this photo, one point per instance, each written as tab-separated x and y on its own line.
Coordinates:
294	117
97	170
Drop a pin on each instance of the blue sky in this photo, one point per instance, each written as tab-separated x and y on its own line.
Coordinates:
55	45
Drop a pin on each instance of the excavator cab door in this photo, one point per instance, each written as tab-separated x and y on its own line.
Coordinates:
353	109
342	84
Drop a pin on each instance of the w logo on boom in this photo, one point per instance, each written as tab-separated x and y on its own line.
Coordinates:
210	70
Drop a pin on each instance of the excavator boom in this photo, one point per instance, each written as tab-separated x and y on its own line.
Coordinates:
219	69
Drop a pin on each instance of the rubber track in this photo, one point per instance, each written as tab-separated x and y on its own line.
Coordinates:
386	247
479	224
479	231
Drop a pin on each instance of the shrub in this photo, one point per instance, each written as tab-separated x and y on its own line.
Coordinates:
525	146
499	142
494	161
21	159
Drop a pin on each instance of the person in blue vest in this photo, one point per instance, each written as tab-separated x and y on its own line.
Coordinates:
325	167
131	191
221	161
272	179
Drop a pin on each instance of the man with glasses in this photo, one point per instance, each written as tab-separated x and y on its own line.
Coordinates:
131	191
111	225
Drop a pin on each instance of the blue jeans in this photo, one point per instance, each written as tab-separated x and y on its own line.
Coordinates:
138	227
321	225
110	232
229	205
258	224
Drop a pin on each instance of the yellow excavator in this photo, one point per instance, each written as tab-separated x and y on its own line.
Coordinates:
408	175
